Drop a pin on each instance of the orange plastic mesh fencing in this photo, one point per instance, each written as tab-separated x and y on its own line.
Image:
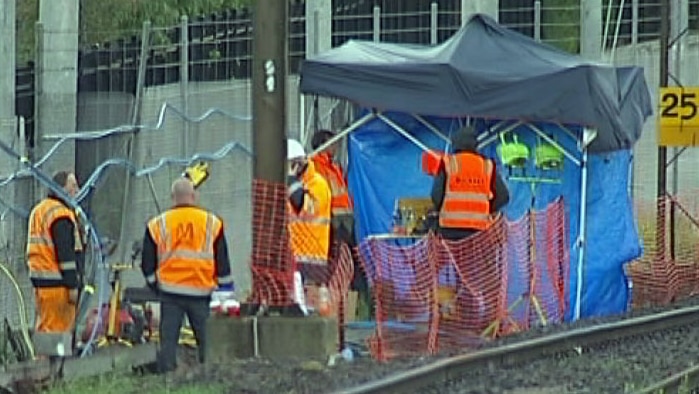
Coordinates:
404	288
538	269
658	277
342	272
312	239
472	278
272	265
436	295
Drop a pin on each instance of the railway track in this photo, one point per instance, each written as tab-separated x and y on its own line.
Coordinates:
451	369
682	382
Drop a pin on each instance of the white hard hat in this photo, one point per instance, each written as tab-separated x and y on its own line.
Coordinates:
294	149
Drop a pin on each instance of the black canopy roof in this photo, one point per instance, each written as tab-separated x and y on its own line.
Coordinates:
488	71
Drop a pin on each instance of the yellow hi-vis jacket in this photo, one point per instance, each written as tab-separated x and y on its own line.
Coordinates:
309	229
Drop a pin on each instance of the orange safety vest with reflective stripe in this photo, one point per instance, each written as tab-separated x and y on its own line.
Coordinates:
309	229
341	203
468	192
41	252
184	237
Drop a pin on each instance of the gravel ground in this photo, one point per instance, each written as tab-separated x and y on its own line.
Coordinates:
616	368
636	362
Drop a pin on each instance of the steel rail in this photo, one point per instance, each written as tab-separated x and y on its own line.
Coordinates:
677	383
454	367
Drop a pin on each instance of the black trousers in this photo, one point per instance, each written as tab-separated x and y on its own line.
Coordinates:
173	308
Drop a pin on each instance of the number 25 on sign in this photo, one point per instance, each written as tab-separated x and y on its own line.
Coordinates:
679	116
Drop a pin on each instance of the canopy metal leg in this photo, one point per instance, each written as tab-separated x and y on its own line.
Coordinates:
581	242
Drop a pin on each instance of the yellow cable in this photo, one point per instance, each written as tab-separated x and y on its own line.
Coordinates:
24	325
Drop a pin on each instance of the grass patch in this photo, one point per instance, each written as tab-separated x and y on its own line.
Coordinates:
131	383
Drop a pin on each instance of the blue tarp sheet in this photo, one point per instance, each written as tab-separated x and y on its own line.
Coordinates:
384	166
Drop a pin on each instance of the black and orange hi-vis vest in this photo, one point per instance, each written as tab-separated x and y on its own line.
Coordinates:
468	192
341	203
44	267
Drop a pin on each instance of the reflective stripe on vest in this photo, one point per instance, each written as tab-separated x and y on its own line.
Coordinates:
340	201
309	230
41	252
185	239
467	196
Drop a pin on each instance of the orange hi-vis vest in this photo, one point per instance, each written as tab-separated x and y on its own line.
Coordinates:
341	203
185	238
468	192
309	229
41	252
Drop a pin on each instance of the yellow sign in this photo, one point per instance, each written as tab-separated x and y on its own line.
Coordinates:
679	116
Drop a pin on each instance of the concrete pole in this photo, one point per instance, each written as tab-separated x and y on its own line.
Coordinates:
319	30
8	125
57	93
470	7
591	29
269	77
7	80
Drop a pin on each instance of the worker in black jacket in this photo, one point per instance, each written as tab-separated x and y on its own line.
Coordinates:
54	257
184	259
465	141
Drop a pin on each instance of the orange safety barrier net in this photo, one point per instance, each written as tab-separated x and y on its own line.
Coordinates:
272	264
437	295
657	278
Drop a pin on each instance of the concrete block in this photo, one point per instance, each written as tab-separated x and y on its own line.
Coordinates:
310	337
229	338
277	337
53	343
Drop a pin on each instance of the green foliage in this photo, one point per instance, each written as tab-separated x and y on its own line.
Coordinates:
114	383
560	24
105	20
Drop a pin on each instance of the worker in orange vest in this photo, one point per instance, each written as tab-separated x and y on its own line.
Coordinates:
341	204
54	256
309	209
467	191
184	259
342	211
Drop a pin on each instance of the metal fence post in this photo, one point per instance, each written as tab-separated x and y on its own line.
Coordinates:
184	81
464	12
591	26
634	29
537	20
133	137
434	22
141	76
377	24
634	48
38	91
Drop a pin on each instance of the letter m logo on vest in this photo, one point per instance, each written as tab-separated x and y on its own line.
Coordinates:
184	232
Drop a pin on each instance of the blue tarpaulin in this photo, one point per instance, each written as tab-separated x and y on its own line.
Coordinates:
385	166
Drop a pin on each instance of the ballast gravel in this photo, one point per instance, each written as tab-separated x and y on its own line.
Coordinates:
614	368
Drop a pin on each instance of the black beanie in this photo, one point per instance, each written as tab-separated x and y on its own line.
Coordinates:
465	139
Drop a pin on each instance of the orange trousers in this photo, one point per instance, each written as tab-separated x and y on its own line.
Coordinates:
54	311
